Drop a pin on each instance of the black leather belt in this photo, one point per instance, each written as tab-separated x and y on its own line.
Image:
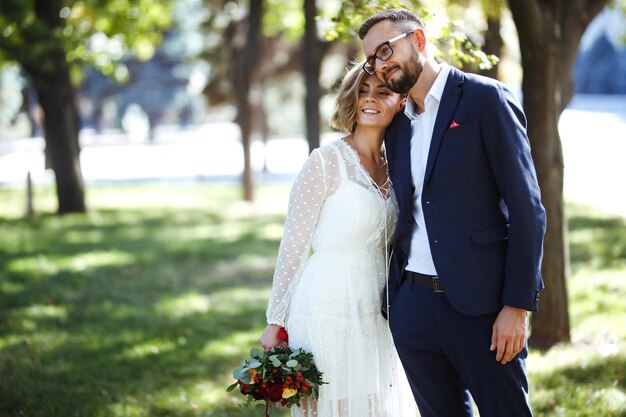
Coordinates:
428	281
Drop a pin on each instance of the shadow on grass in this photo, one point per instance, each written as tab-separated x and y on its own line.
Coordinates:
145	313
125	339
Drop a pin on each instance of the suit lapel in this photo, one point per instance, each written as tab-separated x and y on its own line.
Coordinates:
402	170
449	100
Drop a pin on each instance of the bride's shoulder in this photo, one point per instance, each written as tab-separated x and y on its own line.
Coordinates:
332	149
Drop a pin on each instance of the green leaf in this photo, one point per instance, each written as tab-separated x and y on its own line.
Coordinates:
255	353
273	411
255	363
243	374
292	363
237	373
275	361
232	387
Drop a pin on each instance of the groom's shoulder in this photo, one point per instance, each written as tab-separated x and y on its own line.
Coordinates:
482	84
399	120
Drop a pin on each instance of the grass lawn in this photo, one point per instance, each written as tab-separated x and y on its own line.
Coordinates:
143	306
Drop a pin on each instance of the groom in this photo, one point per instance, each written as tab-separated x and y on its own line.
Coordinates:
468	245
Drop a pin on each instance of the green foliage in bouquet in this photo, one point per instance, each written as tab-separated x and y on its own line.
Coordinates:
280	376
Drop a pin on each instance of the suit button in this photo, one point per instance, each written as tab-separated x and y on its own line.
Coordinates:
428	202
436	241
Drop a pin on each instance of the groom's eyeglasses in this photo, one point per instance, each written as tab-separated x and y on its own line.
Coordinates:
383	53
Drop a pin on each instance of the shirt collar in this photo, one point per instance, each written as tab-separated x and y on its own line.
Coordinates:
435	92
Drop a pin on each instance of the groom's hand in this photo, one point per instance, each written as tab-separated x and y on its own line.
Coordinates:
509	333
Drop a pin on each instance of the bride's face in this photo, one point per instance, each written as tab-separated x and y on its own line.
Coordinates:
377	104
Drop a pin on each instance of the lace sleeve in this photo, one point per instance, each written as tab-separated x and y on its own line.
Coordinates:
305	202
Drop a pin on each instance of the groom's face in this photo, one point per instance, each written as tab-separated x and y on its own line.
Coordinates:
402	70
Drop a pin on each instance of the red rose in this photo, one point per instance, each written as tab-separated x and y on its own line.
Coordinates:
275	392
282	335
259	393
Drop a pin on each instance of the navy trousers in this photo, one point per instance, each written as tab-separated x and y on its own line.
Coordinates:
446	357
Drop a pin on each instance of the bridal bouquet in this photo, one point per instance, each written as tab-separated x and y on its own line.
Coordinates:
281	376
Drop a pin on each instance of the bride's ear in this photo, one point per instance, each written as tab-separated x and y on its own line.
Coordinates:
402	102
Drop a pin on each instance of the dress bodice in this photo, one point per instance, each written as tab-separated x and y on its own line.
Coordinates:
334	206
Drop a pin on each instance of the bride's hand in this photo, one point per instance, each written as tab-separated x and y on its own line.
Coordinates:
270	339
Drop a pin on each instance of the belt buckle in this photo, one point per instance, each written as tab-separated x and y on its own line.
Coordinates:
436	286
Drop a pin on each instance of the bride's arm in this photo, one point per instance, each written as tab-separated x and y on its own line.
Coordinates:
305	202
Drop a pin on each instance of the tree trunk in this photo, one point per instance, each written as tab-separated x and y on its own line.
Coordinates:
493	44
61	126
549	34
312	62
50	76
540	87
244	62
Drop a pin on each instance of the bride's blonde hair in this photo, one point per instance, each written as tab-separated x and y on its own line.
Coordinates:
344	116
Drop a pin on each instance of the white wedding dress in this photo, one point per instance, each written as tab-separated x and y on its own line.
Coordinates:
328	283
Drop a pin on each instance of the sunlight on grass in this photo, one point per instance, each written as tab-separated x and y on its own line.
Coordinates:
197	399
561	357
183	305
598	307
43	340
148	348
82	237
230	301
46	311
43	265
251	261
128	408
615	398
231	345
245	264
14	201
37	265
574	380
271	231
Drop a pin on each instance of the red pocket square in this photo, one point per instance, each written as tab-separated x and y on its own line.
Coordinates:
453	125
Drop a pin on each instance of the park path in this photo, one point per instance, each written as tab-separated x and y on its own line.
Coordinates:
593	132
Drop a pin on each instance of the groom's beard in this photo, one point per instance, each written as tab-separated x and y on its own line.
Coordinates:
408	76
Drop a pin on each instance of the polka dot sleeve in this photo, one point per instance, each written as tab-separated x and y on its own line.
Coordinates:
305	202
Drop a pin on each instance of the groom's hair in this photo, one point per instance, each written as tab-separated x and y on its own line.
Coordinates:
402	19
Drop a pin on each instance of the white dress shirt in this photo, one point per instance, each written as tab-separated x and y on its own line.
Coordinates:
422	125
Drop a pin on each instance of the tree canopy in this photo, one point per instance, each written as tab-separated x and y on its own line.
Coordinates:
96	32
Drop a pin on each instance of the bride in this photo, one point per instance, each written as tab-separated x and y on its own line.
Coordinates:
332	262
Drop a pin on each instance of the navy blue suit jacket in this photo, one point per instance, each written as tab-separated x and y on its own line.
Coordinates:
481	201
